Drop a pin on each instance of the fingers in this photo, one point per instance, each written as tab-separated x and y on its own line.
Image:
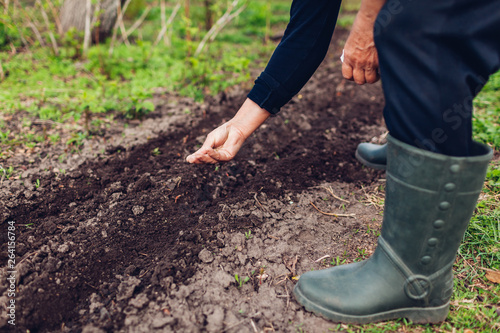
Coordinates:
201	156
371	75
347	71
359	74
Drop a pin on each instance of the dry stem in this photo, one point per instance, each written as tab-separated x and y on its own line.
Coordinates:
165	27
332	214
47	23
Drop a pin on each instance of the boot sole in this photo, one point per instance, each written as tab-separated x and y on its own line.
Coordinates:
430	315
369	164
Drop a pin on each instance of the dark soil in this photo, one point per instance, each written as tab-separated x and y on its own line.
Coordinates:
139	240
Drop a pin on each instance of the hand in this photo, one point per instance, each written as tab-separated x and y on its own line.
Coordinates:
221	145
360	55
224	142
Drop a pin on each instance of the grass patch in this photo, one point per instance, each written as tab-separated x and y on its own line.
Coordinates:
68	89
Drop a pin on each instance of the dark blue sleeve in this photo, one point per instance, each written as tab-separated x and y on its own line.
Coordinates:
298	55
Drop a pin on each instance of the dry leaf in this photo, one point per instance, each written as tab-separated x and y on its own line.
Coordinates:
493	276
468	330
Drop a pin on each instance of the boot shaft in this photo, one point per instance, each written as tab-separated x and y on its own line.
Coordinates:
430	199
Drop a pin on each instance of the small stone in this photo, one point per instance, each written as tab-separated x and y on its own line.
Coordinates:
63	248
126	288
215	320
139	301
138	210
222	278
206	256
92	329
160	322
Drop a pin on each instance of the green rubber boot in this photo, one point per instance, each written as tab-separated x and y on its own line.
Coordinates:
372	155
430	199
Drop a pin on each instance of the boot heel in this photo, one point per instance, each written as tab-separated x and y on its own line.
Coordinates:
432	315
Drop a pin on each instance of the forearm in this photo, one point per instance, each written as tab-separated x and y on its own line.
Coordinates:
369	9
365	19
300	52
249	117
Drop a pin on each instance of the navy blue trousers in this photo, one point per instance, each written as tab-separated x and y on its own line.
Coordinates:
435	56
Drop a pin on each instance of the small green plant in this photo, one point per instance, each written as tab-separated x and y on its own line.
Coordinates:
37	183
156	151
248	234
77	139
7	173
337	261
241	281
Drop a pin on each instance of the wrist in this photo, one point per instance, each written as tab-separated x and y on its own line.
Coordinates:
249	117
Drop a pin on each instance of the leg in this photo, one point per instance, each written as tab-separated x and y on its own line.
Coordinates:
435	57
434	173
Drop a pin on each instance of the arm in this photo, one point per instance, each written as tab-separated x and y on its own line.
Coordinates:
296	58
360	56
224	142
298	55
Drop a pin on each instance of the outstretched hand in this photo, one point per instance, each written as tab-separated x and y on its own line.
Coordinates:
224	142
221	145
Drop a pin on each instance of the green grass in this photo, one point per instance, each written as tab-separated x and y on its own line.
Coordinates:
68	89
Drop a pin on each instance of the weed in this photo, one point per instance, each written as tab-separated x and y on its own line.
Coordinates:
241	281
7	173
37	183
248	234
337	261
156	151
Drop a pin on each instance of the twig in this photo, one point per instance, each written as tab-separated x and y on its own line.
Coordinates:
288	298
88	284
37	33
163	14
229	19
333	214
47	23
137	24
117	23
30	23
254	327
329	189
221	22
323	257
86	36
122	26
234	325
26	257
56	17
168	23
2	74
